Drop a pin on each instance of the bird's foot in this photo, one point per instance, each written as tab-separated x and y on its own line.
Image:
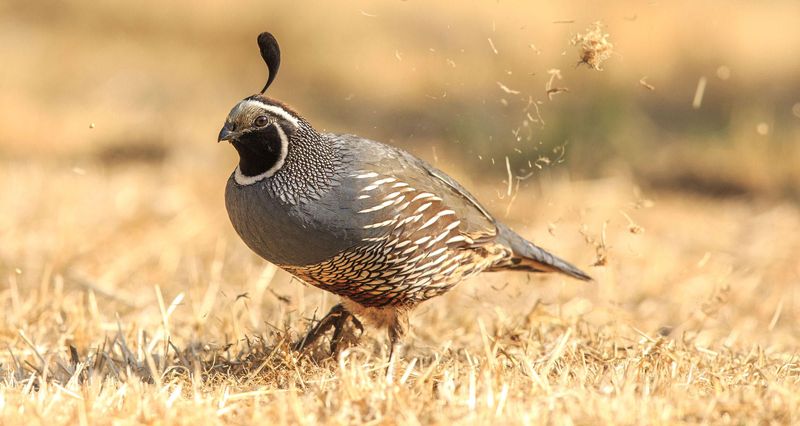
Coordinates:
337	319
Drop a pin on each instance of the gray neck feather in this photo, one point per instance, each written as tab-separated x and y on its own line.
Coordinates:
311	167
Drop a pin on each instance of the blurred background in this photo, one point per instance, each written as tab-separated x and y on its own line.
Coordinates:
672	174
464	85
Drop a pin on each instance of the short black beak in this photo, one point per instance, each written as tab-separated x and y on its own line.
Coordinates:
226	133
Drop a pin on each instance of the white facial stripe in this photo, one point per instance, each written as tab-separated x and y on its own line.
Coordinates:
243	180
277	111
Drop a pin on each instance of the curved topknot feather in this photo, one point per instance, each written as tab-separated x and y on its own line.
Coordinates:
271	54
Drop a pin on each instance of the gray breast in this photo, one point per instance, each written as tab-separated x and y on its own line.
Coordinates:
291	219
282	233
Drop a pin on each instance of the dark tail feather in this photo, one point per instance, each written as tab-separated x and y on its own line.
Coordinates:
528	257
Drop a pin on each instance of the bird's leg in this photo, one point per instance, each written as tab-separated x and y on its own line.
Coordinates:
339	327
321	328
397	331
336	318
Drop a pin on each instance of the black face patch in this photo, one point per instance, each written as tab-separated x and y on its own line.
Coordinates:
259	150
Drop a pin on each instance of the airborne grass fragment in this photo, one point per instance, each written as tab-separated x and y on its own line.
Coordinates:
697	101
645	84
594	48
549	89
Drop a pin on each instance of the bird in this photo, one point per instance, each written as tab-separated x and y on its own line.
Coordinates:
369	222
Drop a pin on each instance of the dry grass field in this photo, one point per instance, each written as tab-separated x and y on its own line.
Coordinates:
128	299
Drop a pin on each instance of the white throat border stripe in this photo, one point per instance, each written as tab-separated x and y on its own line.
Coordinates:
277	111
243	180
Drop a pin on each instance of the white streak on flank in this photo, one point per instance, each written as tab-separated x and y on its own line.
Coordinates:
440	259
243	180
422	208
420	270
404	243
441	236
400	185
408	220
403	207
430	222
422	195
450	269
456	239
413	276
276	110
423	283
430	243
373	240
403	191
422	240
384	180
392	195
378	207
408	250
369	188
366	175
436	252
453	225
398	260
380	224
431	264
363	197
433	220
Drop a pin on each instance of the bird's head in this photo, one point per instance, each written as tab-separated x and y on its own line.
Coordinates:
261	128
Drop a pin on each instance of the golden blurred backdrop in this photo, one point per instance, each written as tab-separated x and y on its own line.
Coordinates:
451	80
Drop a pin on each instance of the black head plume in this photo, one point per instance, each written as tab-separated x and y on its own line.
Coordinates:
271	54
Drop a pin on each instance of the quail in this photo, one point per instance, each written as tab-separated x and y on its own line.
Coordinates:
369	222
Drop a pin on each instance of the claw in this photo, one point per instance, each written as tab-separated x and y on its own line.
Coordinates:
336	319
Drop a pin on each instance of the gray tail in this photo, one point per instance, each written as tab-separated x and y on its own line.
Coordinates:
528	257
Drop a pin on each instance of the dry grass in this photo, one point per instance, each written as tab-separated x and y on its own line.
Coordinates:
127	299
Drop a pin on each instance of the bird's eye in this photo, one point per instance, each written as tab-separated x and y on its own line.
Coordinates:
261	121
